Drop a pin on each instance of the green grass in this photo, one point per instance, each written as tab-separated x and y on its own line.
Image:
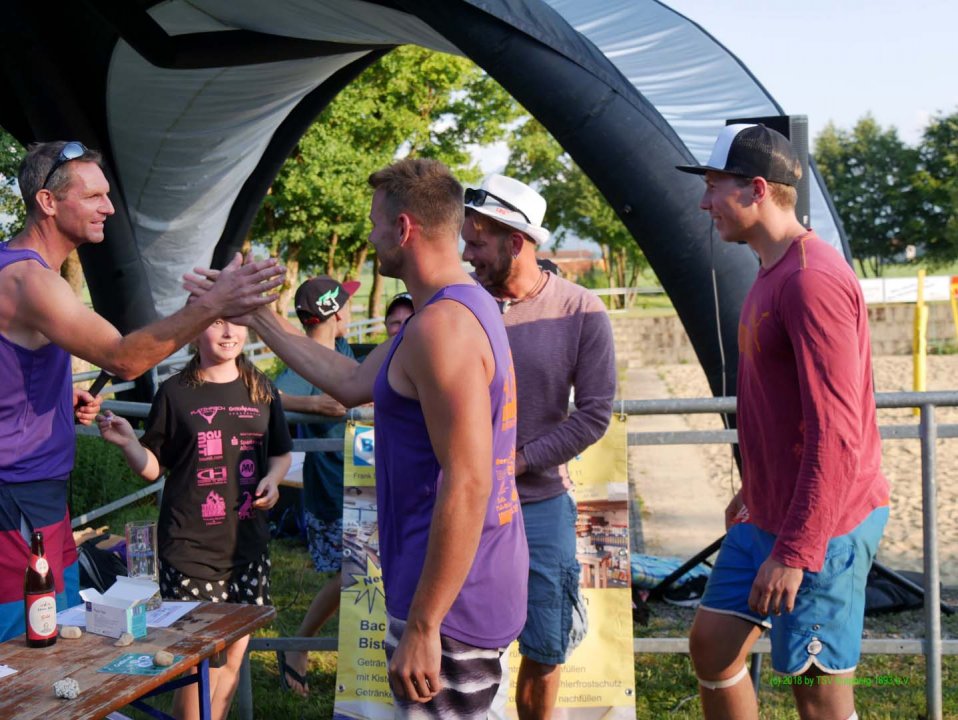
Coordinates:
665	684
666	688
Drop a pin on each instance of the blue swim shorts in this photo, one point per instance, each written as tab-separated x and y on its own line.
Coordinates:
556	619
825	628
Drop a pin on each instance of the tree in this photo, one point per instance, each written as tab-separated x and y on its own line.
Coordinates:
869	173
412	102
11	208
935	221
575	206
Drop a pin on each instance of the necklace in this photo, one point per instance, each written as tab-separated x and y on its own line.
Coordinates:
504	305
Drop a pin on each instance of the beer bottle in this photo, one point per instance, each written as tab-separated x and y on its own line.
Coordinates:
39	597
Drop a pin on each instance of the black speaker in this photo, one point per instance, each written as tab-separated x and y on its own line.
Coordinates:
795	128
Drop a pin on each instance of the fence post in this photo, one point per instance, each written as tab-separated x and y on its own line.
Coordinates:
244	690
929	501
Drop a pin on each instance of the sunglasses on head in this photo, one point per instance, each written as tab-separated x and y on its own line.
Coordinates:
477	198
71	151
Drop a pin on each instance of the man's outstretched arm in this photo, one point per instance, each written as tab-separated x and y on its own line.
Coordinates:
335	374
47	305
341	377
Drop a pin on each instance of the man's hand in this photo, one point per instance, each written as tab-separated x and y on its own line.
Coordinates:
86	406
775	588
521	465
735	511
414	668
237	289
319	404
329	406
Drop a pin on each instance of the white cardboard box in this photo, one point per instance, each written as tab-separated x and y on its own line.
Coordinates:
120	609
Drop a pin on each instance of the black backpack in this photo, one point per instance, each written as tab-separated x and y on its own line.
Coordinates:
98	568
884	595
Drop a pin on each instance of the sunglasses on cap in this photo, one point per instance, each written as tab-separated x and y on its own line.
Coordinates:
478	197
71	151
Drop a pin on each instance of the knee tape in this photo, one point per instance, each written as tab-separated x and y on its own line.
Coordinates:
727	683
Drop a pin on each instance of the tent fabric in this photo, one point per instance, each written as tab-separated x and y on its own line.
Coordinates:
676	65
195	127
185	140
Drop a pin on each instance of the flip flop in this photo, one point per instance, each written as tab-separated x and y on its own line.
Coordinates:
285	670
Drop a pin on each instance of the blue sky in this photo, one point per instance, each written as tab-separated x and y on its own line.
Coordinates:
836	60
839	59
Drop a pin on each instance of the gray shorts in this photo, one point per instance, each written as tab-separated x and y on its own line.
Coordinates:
325	541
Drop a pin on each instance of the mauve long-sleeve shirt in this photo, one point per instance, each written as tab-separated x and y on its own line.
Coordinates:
561	339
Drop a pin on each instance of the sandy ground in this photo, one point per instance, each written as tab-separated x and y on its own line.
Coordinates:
902	544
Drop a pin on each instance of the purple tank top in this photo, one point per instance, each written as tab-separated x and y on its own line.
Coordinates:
491	608
37	440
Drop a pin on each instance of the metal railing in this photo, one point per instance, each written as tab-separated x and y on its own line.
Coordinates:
927	431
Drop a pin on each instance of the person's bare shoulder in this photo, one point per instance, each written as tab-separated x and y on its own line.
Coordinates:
445	325
46	310
29	291
447	334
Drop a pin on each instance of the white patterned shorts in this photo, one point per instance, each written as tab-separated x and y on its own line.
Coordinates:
247	585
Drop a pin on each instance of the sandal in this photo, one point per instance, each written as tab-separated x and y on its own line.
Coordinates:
285	670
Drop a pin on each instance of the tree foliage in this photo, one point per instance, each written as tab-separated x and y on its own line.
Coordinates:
575	206
11	208
869	173
935	222
412	102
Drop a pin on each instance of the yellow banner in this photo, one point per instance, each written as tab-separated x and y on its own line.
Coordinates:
598	679
362	687
599	674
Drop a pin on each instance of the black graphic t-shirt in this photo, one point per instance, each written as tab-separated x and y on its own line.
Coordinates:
214	444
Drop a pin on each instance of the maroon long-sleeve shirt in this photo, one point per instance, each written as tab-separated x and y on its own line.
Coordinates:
811	452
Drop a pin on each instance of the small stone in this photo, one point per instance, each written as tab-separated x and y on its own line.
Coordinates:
163	658
124	640
70	632
68	688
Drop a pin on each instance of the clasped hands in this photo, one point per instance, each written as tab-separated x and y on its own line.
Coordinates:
244	284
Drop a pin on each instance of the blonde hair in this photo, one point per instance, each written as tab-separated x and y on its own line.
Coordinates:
257	384
424	188
783	196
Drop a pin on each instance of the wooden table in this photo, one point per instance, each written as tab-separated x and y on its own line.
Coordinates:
198	636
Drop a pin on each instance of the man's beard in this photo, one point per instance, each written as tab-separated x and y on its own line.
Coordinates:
497	276
389	266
